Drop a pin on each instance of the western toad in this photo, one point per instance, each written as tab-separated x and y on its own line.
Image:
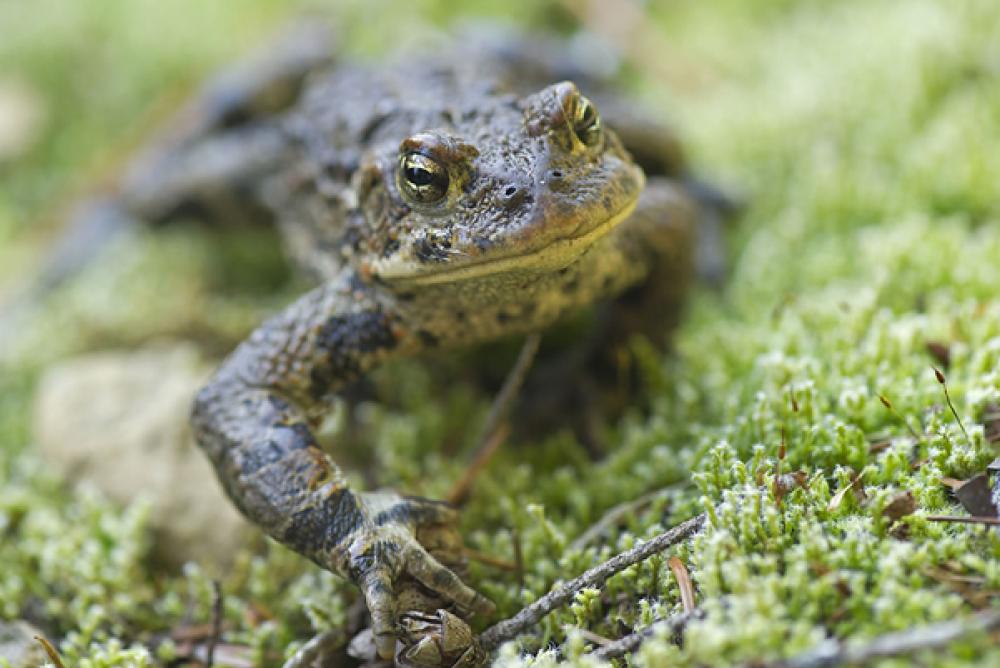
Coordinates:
440	201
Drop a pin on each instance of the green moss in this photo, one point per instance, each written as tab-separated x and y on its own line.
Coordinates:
858	133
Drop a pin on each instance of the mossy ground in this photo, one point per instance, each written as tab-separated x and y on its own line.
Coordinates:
860	134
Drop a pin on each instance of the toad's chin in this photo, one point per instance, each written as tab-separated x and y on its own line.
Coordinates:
553	256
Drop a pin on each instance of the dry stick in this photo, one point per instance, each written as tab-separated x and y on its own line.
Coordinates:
932	636
899	416
947	395
484	452
671	626
493	433
515	539
51	651
509	629
213	639
319	646
964	519
512	383
615	514
490	560
595	638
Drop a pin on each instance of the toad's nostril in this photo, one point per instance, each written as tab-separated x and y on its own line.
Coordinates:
514	197
555	174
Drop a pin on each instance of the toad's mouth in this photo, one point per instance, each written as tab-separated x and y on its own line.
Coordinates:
554	255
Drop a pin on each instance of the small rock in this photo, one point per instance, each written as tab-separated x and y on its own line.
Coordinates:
362	648
119	421
18	645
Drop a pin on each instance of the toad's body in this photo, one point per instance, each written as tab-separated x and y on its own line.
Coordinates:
438	205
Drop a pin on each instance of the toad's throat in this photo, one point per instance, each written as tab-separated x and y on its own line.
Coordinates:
554	255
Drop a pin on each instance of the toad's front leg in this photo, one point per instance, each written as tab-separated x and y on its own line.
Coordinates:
254	419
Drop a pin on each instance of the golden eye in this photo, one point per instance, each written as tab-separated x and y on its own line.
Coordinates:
587	122
421	178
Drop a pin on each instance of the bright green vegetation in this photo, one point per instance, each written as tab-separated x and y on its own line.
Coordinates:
861	135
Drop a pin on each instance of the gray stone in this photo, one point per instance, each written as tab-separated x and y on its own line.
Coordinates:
18	645
119	421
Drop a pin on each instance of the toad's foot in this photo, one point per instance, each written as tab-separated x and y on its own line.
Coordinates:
388	546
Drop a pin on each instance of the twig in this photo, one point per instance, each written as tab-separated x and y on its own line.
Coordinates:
511	385
906	423
494	432
508	629
970	519
51	651
776	489
900	643
193	633
484	452
671	626
515	539
595	638
947	395
213	639
615	514
320	645
490	560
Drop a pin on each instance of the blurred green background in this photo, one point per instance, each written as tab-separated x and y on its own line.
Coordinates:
859	133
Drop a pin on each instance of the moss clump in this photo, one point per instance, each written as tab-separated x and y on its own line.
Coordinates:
857	132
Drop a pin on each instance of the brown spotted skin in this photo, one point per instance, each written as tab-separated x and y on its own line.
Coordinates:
533	208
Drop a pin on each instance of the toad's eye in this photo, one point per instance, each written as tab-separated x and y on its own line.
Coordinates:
421	178
587	122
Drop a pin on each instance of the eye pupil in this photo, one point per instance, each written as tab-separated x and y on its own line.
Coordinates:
588	123
418	176
421	178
